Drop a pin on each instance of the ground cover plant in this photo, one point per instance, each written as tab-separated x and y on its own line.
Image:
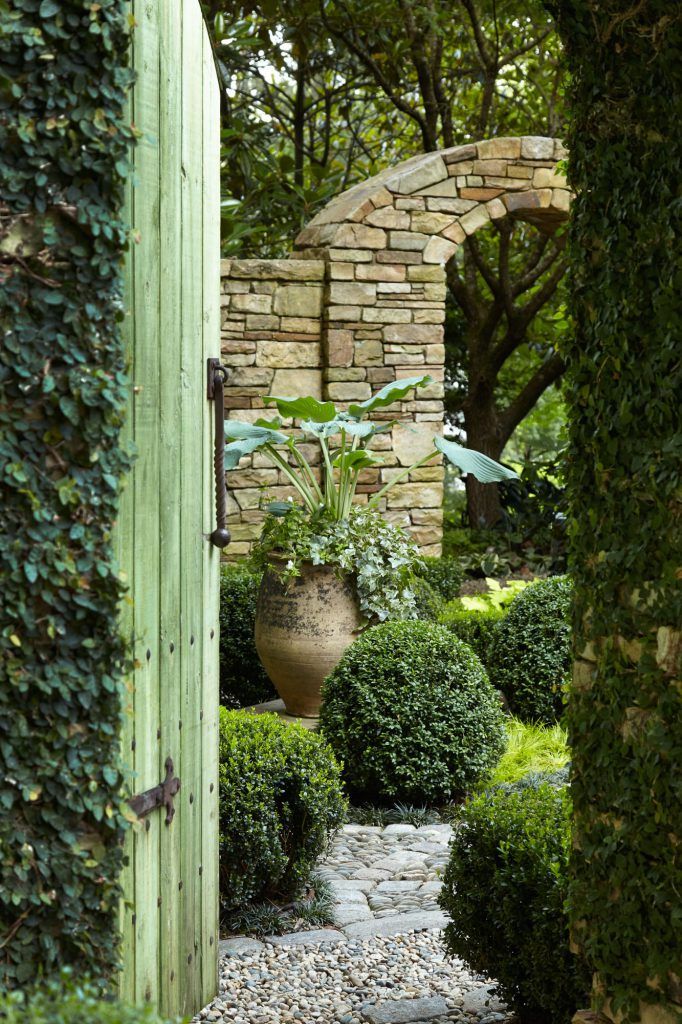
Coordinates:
243	680
529	656
67	1000
530	749
281	801
505	889
410	712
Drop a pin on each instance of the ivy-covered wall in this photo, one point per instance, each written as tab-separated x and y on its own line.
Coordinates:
624	384
63	162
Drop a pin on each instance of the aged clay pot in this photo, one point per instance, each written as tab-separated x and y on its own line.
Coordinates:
303	626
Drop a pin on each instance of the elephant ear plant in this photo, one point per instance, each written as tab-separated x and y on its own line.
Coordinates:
326	527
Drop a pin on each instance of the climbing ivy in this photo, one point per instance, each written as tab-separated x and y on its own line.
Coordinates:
624	384
63	163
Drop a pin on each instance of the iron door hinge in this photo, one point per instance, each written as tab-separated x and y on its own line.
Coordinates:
158	796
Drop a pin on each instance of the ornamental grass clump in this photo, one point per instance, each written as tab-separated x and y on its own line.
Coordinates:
505	890
411	714
281	802
529	657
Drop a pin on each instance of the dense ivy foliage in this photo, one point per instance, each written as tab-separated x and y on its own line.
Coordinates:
411	714
66	1001
625	713
505	888
243	680
281	801
63	161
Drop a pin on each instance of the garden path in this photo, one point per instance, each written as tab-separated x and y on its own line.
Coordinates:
383	961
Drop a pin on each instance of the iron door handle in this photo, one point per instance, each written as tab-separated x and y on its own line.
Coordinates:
216	375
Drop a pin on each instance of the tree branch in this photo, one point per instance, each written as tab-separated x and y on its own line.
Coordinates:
519	407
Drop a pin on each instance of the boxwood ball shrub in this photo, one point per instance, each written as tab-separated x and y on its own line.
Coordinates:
504	889
243	680
474	626
410	712
281	801
444	575
529	657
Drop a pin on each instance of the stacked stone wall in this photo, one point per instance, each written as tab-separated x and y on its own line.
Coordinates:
361	302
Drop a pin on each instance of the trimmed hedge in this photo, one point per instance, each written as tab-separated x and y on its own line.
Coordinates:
281	801
66	1002
473	626
505	888
64	139
243	680
410	712
529	657
427	601
445	575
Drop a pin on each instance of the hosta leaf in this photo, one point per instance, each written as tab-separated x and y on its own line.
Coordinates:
307	408
235	429
389	394
467	460
359	459
236	450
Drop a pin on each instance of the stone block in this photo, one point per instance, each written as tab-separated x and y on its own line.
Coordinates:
384	272
344	373
427	517
351	255
277	270
348	913
404	359
537	147
358	236
435	293
439	250
252	303
284	354
496	209
430	223
298	301
419	920
520	171
399	256
343	314
352	293
297	382
446	188
475	219
340	347
497	167
410	443
255	377
386	315
456	153
261	322
499	148
561	199
412	203
546	177
429	316
406	1011
253	477
299	325
426	273
313	938
414	334
408	241
417	495
461	167
509	184
480	195
342	271
355	391
388	217
425	171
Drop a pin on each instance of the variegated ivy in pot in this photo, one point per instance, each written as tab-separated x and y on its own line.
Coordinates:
332	566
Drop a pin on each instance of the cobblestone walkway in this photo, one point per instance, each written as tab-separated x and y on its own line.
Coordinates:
383	961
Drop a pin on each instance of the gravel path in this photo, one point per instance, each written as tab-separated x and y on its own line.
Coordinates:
383	961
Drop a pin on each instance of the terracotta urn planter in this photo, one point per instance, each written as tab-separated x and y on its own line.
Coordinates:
303	626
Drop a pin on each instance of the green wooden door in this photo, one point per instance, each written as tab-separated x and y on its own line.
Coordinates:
169	920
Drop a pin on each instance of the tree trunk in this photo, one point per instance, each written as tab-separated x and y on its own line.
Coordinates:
483	435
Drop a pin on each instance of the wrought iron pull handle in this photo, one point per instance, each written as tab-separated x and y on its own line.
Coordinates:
216	375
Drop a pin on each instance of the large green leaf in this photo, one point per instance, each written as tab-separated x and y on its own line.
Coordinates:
307	408
334	426
359	459
236	450
467	460
389	394
237	429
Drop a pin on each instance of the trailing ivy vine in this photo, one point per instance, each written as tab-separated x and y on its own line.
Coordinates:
624	383
63	163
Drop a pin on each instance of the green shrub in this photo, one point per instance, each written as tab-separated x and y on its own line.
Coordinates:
531	748
444	575
530	654
280	803
243	680
69	1002
474	627
504	889
427	601
410	712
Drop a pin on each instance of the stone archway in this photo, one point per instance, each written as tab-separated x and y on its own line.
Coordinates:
361	301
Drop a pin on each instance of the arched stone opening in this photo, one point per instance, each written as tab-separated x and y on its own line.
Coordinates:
361	301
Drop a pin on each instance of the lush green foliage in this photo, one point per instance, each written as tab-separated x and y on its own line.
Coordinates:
280	803
378	555
475	627
410	712
427	601
243	680
64	1001
531	748
63	163
443	574
504	889
530	653
625	713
